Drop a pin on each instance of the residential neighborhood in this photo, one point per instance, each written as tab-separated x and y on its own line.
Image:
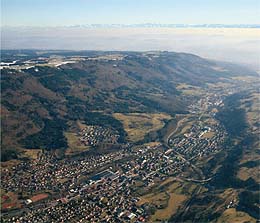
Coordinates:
93	135
101	188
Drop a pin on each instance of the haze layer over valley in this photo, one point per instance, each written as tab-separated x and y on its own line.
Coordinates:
227	44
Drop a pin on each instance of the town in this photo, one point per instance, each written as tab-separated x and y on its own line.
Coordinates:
93	135
102	188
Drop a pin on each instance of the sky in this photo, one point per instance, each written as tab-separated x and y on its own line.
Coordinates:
51	24
79	12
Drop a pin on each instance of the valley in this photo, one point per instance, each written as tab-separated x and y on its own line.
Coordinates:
128	137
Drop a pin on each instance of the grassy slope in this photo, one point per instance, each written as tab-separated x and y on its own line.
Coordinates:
137	125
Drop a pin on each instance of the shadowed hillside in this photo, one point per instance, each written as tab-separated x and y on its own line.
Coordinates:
39	102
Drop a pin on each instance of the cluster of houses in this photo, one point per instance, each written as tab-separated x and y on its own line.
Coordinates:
94	135
152	165
91	189
49	173
102	188
104	196
106	199
193	144
207	102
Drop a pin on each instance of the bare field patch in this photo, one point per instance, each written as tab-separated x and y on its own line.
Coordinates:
174	203
156	199
32	153
189	89
9	164
228	193
252	155
211	121
167	202
152	144
184	125
208	135
252	107
173	188
167	181
186	128
137	125
74	145
231	215
9	201
245	173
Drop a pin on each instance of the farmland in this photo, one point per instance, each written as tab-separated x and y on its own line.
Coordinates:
137	125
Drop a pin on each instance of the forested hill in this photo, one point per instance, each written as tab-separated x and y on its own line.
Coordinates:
43	91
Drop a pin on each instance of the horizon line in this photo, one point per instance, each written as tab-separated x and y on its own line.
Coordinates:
141	25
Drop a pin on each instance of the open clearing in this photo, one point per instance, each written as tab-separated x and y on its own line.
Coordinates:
232	216
159	199
174	203
32	153
246	170
74	145
245	173
208	135
167	202
9	164
9	200
137	125
252	107
189	89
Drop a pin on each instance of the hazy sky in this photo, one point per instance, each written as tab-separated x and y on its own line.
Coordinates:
236	45
77	12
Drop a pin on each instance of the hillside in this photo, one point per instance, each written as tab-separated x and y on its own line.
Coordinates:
40	102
